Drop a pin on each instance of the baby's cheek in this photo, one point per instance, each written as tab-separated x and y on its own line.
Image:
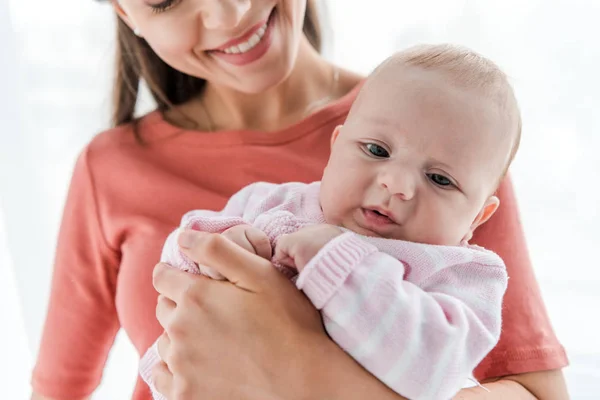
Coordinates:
330	212
439	229
334	209
339	197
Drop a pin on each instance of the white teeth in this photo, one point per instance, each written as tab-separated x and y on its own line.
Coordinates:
254	40
249	44
244	47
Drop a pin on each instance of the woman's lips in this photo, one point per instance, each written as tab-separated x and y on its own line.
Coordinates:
239	52
244	38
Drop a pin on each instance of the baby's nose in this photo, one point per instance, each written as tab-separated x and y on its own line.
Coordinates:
402	187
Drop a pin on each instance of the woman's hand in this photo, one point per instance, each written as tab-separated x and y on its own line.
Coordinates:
297	249
254	336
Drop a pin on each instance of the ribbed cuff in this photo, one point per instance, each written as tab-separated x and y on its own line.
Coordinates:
328	270
149	361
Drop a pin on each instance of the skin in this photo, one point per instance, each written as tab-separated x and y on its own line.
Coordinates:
268	95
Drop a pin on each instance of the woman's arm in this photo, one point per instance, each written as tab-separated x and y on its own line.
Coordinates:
82	321
546	385
345	380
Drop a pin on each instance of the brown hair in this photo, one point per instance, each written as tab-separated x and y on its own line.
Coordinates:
135	60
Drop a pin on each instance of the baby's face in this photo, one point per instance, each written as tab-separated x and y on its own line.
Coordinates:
418	159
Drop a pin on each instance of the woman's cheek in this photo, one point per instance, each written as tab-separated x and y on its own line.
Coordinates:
293	11
174	42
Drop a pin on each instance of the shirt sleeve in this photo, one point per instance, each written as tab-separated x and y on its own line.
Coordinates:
421	338
528	342
81	321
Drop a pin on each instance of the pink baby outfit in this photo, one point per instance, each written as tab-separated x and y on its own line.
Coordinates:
418	317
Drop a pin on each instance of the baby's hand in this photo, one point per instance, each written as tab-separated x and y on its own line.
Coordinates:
251	239
297	249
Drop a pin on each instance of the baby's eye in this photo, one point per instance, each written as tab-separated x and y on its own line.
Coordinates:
440	180
376	150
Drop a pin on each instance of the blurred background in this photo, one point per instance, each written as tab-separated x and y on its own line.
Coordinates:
55	80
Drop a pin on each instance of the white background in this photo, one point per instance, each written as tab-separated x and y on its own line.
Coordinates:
55	77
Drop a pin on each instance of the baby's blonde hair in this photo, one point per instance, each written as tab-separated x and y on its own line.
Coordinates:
466	69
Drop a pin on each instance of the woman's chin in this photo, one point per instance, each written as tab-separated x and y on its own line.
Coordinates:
262	82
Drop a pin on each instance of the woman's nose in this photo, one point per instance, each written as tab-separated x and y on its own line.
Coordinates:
224	14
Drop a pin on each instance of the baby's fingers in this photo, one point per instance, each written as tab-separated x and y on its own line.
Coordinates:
238	236
282	252
259	242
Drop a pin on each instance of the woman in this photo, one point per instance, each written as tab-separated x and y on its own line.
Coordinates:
243	95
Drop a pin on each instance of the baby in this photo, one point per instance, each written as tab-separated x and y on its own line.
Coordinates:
380	245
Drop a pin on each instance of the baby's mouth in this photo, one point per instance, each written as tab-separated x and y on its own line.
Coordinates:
377	216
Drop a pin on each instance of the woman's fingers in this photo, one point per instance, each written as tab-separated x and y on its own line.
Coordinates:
173	283
240	267
163	379
164	310
162	346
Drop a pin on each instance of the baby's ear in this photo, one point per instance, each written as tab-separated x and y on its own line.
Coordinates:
489	208
335	134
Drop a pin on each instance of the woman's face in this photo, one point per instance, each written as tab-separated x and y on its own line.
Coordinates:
248	45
